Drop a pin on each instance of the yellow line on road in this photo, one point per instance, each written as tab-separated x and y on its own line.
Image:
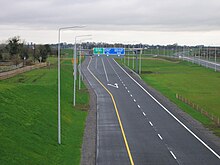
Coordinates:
118	116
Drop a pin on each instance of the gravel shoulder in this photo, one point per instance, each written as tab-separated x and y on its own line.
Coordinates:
88	153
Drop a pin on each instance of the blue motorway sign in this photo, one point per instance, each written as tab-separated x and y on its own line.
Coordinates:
114	51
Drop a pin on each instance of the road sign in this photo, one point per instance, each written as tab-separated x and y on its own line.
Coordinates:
109	51
114	51
98	50
73	60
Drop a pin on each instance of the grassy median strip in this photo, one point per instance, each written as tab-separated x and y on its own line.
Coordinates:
195	83
28	118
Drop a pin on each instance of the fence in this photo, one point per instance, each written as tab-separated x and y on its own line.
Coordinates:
199	109
5	75
10	67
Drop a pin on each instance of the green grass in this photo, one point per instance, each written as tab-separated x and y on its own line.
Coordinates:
67	53
28	118
198	84
160	52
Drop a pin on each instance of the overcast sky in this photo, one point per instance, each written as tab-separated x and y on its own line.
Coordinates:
146	21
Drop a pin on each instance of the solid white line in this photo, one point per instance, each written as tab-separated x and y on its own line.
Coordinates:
105	70
173	155
144	114
151	124
134	100
192	133
139	106
160	136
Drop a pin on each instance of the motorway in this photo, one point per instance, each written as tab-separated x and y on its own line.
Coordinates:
133	127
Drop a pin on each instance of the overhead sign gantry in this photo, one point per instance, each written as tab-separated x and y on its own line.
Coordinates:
109	51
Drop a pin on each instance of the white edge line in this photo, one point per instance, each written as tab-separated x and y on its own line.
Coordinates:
209	148
173	155
97	140
105	70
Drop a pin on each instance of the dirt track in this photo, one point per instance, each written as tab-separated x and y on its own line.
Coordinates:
5	75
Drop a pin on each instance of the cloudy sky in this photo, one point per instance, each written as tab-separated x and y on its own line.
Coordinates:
189	22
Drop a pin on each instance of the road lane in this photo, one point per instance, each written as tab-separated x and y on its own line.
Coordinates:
110	144
153	135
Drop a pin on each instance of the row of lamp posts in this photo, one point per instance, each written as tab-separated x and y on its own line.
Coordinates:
74	73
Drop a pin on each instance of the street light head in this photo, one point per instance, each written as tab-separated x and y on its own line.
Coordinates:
88	35
71	27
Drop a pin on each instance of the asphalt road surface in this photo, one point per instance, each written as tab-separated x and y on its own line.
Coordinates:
134	128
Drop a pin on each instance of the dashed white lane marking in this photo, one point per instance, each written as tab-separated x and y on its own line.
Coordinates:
144	114
128	91
173	155
160	136
131	95
151	123
191	132
134	100
139	106
126	87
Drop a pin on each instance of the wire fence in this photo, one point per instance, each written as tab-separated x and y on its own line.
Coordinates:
5	68
196	107
5	75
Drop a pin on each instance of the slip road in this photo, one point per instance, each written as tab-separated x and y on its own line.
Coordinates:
133	127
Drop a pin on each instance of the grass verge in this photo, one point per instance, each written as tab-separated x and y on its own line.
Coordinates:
28	118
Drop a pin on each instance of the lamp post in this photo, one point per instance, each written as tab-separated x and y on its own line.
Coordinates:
80	59
215	59
59	37
75	69
140	60
133	56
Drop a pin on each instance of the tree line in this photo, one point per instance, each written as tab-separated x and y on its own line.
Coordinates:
17	50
